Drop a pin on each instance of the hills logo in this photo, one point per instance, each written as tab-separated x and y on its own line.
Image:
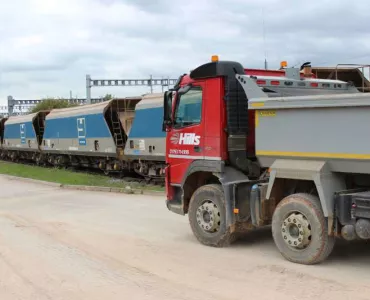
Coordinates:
185	139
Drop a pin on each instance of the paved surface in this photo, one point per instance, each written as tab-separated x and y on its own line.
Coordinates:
60	244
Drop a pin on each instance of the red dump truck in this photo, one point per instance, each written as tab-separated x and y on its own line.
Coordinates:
250	150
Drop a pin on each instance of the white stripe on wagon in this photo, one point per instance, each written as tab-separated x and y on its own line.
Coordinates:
194	157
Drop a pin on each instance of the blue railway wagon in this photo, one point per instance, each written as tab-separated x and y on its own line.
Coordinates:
81	130
23	134
87	135
146	141
117	135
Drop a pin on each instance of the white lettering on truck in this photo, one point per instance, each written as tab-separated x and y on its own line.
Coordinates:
185	139
189	139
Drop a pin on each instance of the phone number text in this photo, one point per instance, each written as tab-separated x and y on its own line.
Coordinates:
179	151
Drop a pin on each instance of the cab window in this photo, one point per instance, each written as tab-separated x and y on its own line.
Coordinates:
189	108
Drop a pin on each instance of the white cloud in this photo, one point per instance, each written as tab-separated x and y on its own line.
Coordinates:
47	47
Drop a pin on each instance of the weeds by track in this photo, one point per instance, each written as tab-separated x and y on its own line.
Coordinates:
114	176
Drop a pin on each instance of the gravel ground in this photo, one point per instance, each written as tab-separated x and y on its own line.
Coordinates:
64	244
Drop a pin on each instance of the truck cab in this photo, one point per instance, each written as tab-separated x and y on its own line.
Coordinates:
204	134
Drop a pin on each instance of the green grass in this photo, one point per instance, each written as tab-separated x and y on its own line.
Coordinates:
69	177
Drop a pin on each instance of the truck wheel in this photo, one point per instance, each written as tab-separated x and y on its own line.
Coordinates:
300	230
207	216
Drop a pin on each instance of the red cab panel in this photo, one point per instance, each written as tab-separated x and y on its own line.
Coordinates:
196	134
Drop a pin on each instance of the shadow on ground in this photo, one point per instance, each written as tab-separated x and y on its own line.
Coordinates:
355	251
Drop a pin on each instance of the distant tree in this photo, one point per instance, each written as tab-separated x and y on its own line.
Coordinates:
108	97
51	103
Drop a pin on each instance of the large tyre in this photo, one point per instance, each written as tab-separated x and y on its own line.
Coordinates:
207	216
300	230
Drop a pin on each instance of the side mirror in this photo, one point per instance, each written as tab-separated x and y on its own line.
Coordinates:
167	110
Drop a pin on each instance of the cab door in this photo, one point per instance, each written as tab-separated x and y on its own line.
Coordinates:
185	142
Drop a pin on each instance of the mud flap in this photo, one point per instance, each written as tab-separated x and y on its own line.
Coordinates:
230	179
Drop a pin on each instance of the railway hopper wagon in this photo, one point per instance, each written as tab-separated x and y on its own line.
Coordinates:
146	144
23	136
89	136
121	135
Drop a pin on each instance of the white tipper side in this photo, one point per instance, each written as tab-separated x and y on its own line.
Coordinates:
277	131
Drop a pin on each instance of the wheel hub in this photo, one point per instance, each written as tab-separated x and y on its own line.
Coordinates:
296	231
208	217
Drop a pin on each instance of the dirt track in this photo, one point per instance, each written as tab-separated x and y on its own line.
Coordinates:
59	244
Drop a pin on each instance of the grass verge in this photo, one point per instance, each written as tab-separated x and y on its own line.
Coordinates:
69	177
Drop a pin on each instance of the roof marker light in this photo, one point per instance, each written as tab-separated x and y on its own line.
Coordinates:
214	58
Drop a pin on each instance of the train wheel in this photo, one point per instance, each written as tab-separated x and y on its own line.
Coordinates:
14	157
38	159
300	230
207	216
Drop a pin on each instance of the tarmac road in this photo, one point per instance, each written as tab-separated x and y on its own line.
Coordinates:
63	244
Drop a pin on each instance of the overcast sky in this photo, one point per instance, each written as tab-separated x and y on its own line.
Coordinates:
48	46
